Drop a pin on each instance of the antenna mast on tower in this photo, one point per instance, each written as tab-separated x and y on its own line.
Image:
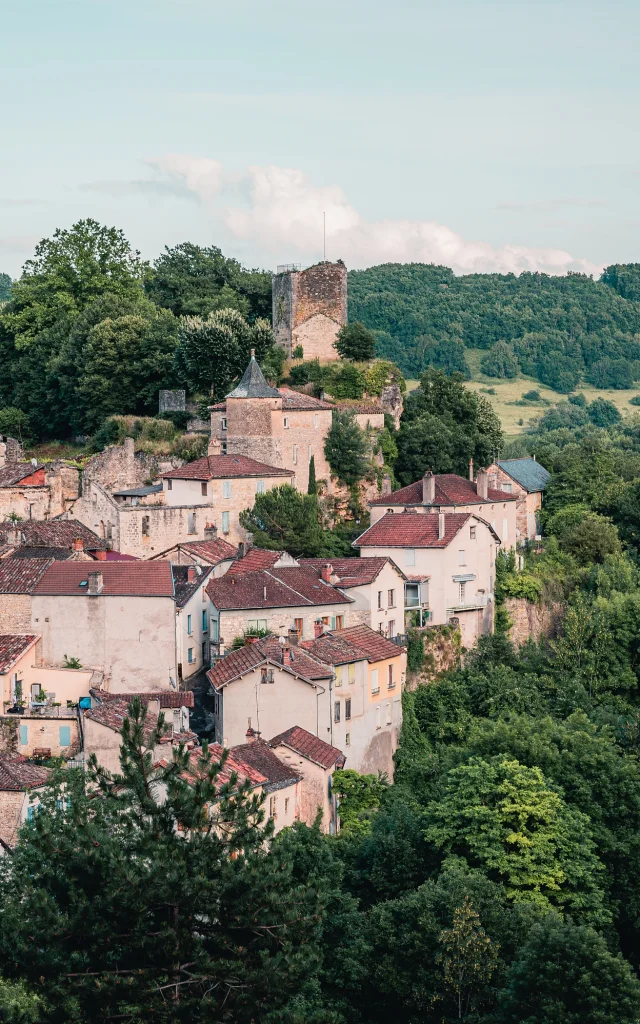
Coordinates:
324	236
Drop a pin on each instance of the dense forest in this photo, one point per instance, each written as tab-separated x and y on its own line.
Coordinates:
559	329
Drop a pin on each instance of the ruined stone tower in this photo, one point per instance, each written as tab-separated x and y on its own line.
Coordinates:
309	308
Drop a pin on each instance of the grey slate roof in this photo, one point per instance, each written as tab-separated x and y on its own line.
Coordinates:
253	384
138	492
526	472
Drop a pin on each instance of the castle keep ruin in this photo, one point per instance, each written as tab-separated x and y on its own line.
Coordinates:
309	308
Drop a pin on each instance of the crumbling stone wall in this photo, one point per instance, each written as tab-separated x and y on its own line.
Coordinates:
9	734
15	613
530	621
309	308
442	653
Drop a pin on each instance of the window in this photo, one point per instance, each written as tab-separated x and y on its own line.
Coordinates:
392	681
224	448
339	621
295	454
410	556
255	624
379	599
191	522
341	675
223	423
189	626
204	621
65	735
462	589
273	807
297	625
203	488
391	598
30	812
226	488
347	739
472	532
169	485
24	735
388	714
505	530
392	627
286	805
336	711
190	655
461	558
259	486
351	675
315	421
347	709
507	488
375	686
145	526
215	630
225	522
378	717
285	422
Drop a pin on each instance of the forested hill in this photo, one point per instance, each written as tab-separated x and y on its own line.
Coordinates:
559	328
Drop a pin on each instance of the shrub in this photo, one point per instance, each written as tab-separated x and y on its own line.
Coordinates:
355	342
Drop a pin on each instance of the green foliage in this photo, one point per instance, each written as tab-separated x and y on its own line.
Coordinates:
273	364
5	287
346	449
284	519
355	342
214	352
379	374
469	958
298	352
500	361
635	400
346	381
603	413
71	662
359	798
445	354
312	487
443	426
532	396
15	423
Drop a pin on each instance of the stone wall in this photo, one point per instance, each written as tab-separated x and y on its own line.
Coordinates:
442	653
15	613
530	621
309	307
172	401
44	733
11	815
120	467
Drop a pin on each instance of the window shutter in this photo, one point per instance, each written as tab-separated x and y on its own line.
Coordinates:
65	735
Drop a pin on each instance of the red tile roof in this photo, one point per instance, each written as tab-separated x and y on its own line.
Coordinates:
255	559
353	572
186	588
259	756
125	579
450	490
223	467
22	575
167	698
233	765
288	587
15	472
299	400
412	530
375	645
251	656
112	714
309	746
213	551
333	650
54	533
17	774
13	646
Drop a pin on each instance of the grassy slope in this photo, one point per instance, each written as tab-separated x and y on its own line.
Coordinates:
510	391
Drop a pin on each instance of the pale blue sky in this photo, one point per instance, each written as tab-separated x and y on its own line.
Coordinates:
483	135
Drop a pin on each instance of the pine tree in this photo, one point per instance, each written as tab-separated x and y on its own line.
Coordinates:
312	487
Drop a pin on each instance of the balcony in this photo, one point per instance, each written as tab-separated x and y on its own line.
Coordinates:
473	604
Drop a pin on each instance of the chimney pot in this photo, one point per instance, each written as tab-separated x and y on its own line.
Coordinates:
77	544
471	470
441	525
294	636
428	488
211	531
253	353
287	657
326	572
191	573
100	556
214	447
240	549
482	484
318	629
96	583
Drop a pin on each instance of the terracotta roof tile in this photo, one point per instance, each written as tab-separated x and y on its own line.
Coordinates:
255	559
268	649
309	746
235	664
126	579
233	765
185	588
353	572
54	533
412	530
260	756
298	400
22	575
287	587
333	649
253	383
450	490
224	467
13	646
213	551
18	774
15	472
375	645
112	714
167	698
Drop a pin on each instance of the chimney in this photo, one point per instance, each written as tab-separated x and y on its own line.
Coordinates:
211	531
326	571
287	654
100	556
294	636
3	453
77	544
153	710
471	470
240	549
318	629
482	484
96	583
13	451
14	537
191	573
214	447
251	735
253	353
441	525
428	488
386	484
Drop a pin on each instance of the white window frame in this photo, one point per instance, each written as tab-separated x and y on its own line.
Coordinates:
295	455
226	488
259	486
225	522
375	684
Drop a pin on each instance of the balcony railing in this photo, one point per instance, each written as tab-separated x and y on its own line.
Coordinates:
469	606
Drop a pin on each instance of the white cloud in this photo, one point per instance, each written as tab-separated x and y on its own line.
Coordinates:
281	213
548	205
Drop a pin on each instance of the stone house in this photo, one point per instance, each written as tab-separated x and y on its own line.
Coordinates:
315	760
39	703
32	490
18	580
526	480
60	539
192	619
104	720
281	785
447	492
309	308
21	783
279	426
343	687
275	600
128	619
376	586
449	561
225	484
213	551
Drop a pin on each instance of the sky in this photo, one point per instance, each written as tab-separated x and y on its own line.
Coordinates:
486	136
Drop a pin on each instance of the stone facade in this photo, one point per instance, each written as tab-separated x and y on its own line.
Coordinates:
229	624
172	401
531	621
528	504
40	733
15	613
49	491
309	308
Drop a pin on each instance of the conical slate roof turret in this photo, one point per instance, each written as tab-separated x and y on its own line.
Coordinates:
253	384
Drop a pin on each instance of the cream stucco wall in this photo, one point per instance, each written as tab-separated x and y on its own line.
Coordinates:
191	635
240	495
131	638
42	733
365	609
314	789
501	515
